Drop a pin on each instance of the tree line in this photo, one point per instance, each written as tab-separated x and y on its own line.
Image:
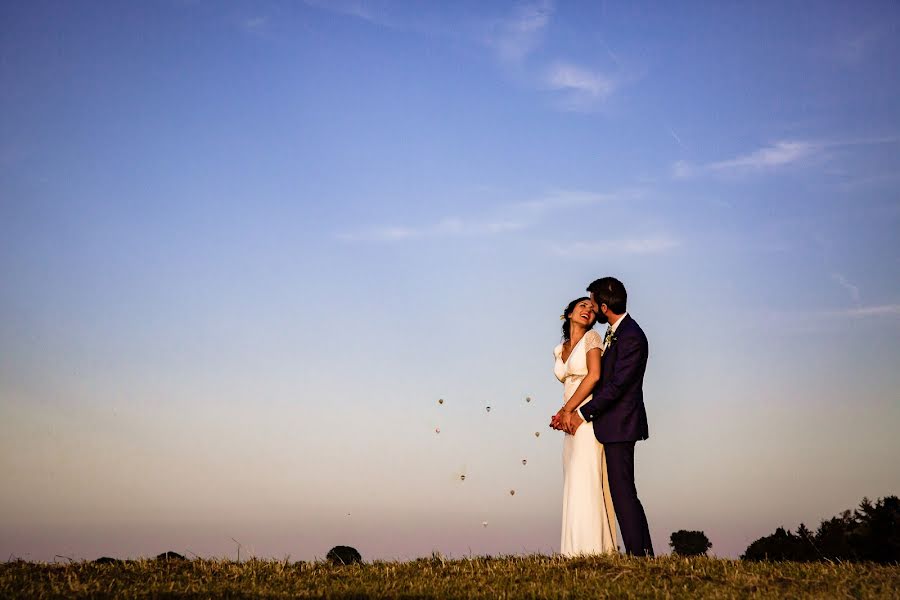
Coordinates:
869	533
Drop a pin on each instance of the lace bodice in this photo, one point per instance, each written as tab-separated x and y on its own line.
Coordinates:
574	368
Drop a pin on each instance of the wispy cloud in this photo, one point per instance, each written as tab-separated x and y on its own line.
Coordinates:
865	141
355	9
443	228
559	199
781	153
574	87
770	157
775	156
633	245
811	320
883	310
858	312
514	216
851	289
582	88
517	36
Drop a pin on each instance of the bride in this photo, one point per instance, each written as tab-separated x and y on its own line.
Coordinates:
588	519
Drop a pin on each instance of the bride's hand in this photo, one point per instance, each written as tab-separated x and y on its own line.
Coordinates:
556	421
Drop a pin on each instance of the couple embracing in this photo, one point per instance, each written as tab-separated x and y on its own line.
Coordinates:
603	417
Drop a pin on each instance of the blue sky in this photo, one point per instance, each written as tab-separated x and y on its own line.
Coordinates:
247	246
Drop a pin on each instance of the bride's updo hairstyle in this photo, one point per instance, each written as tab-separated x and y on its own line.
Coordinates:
565	318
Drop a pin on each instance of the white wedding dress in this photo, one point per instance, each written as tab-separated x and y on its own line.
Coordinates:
588	519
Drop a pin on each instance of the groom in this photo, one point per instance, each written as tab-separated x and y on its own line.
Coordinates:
616	410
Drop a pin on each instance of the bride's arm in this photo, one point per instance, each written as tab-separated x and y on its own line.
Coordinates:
587	384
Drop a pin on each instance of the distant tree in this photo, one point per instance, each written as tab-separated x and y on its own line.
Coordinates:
689	543
781	545
808	550
833	538
871	532
344	555
877	535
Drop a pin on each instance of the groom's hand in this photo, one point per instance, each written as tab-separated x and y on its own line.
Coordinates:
573	422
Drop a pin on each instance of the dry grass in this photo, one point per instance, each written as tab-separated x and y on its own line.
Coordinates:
482	577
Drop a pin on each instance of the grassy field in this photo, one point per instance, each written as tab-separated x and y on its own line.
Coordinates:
482	577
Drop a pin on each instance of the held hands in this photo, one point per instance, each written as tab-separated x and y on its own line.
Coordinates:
568	421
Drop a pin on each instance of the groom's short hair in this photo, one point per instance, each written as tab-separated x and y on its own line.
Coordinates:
611	292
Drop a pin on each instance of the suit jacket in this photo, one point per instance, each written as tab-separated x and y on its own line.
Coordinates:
616	409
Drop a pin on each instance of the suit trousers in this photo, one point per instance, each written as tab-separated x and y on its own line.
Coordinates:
630	512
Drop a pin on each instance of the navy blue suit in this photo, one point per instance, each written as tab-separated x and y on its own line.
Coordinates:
617	413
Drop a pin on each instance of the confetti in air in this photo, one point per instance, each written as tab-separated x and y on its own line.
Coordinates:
437	429
524	462
441	401
537	434
462	477
484	523
527	398
487	408
512	492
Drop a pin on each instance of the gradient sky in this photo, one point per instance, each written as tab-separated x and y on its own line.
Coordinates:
245	247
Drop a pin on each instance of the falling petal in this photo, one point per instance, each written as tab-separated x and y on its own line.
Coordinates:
441	401
537	434
437	429
462	477
527	398
524	462
512	492
488	408
484	523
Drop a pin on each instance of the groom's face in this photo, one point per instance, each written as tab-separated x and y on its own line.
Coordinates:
599	310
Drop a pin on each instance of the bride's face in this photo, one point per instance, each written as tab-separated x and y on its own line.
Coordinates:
583	313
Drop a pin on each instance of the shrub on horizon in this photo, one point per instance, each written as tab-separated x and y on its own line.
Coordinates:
781	545
689	543
344	555
170	555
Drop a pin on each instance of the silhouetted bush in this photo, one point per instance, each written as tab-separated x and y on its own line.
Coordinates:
871	532
344	555
781	545
689	543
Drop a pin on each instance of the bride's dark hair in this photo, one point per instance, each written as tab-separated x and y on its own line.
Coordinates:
565	317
